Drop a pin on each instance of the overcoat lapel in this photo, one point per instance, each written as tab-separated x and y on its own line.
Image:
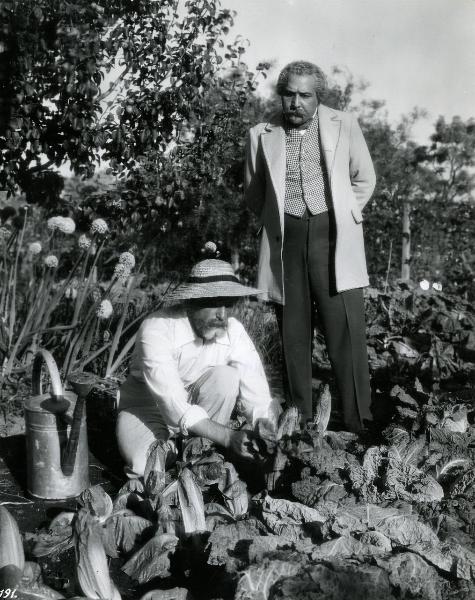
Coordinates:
273	145
330	125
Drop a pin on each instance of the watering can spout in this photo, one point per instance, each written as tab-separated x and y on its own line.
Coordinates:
82	384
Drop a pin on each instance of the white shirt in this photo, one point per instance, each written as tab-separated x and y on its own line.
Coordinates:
169	357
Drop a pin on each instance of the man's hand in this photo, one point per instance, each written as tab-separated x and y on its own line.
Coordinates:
244	444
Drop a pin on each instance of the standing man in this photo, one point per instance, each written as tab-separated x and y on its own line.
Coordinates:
308	177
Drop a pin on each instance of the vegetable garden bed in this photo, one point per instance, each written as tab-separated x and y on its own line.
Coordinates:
323	515
341	516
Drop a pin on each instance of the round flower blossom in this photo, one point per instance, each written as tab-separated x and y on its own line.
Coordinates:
104	310
34	248
63	224
54	223
424	284
84	242
67	225
437	286
4	233
122	271
51	261
99	226
210	247
127	259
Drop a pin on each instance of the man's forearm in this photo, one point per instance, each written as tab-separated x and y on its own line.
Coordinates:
219	434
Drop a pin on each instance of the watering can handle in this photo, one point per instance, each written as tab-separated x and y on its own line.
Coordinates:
43	356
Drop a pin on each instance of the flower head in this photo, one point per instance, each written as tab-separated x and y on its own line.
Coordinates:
54	223
99	226
67	225
424	284
63	224
84	242
127	259
104	310
51	261
34	248
210	249
4	233
122	271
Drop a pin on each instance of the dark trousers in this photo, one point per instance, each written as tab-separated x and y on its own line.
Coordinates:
309	284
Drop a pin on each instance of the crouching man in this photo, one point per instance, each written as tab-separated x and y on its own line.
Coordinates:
192	364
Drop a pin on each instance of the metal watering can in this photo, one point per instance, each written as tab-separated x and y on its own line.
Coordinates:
56	435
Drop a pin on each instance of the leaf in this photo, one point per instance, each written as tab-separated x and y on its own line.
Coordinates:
194	448
39	591
449	557
191	502
96	501
292	520
464	485
289	422
256	582
153	559
134	485
173	594
134	502
405	530
57	538
323	409
216	515
126	530
456	463
155	468
407	452
403	397
413	577
347	546
225	541
92	567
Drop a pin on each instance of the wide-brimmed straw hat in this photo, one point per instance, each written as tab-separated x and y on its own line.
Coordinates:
210	278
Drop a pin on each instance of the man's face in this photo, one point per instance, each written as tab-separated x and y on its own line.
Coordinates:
209	316
299	100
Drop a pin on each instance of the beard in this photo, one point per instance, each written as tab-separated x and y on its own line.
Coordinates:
211	332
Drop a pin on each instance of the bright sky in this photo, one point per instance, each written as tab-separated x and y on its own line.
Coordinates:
412	52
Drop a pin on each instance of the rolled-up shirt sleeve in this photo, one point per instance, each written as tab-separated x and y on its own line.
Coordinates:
155	350
255	399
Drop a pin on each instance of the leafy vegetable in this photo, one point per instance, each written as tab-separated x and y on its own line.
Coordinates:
153	559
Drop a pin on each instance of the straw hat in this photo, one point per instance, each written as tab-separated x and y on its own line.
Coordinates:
210	278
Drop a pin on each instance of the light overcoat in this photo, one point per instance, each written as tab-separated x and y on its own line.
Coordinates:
351	179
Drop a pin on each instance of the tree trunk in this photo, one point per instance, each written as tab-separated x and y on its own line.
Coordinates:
406	242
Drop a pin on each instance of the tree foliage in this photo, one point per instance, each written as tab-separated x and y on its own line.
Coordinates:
84	82
436	181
